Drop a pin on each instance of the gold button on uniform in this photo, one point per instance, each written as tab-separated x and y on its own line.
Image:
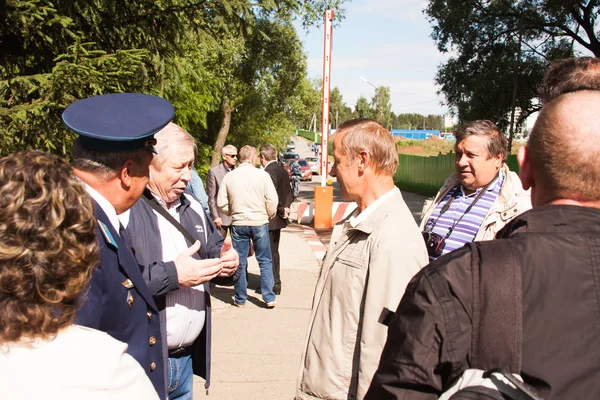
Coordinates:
149	314
152	366
152	340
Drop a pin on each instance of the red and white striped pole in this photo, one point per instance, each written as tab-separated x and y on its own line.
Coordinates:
324	194
325	96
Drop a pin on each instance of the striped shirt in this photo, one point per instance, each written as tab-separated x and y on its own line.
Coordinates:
466	230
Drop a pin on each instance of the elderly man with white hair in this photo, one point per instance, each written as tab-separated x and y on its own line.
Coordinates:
214	177
182	250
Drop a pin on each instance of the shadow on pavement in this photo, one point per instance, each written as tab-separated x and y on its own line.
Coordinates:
225	293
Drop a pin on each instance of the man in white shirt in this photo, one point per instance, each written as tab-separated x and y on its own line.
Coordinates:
373	254
248	195
178	266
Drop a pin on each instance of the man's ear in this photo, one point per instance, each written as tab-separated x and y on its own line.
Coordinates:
363	160
525	168
126	173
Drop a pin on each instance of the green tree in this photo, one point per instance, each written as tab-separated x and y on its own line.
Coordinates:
30	106
503	48
54	52
338	110
261	74
363	109
304	107
382	105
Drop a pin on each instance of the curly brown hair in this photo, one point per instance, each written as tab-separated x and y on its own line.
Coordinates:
48	245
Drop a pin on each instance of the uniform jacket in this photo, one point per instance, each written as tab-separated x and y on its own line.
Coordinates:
129	315
213	183
511	201
281	180
429	338
56	369
161	277
364	272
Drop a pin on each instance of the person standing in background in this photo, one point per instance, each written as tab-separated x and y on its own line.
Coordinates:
196	187
213	183
249	196
281	180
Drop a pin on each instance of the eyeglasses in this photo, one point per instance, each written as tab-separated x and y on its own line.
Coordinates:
231	155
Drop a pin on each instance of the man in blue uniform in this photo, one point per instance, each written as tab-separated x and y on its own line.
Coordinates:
112	157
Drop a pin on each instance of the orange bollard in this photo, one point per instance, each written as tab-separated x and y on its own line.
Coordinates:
323	206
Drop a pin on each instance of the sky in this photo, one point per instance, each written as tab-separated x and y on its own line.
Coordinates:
387	42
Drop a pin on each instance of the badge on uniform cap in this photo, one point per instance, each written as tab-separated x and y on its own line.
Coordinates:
118	121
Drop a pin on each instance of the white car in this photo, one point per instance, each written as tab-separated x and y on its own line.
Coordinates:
313	163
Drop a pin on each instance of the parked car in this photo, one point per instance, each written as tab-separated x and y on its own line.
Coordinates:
290	146
313	163
289	156
306	172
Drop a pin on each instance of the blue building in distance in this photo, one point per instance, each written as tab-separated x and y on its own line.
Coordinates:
418	134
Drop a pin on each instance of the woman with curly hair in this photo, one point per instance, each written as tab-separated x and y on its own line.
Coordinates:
48	249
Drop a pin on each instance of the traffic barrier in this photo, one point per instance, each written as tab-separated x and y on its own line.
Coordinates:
339	211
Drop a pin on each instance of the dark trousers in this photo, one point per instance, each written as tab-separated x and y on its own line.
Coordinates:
274	236
223	230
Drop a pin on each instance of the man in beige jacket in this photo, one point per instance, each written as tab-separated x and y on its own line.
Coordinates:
373	254
248	195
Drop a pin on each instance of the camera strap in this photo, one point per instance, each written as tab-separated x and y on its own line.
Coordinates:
446	207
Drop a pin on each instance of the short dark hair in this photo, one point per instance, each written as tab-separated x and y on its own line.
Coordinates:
268	151
48	245
497	144
570	75
105	164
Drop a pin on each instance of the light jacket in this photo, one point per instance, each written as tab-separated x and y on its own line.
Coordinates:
248	195
364	272
511	201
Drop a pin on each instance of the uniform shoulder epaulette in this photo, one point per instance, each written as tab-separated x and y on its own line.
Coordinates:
107	235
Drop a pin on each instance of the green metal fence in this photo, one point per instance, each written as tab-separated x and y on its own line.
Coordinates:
426	175
309	135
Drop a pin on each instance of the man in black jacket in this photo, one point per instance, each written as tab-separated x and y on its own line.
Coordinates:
557	244
281	180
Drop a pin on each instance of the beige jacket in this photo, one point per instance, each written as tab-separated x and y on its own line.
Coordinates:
364	272
79	363
248	195
511	201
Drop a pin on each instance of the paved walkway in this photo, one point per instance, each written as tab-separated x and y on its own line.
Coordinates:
256	351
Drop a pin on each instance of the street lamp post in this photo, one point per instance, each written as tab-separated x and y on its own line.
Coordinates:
379	92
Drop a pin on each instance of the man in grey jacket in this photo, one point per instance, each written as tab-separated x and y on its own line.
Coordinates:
213	183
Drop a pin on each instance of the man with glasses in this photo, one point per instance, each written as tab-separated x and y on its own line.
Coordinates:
213	183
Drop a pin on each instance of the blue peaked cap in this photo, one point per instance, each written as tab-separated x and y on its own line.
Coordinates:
118	121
